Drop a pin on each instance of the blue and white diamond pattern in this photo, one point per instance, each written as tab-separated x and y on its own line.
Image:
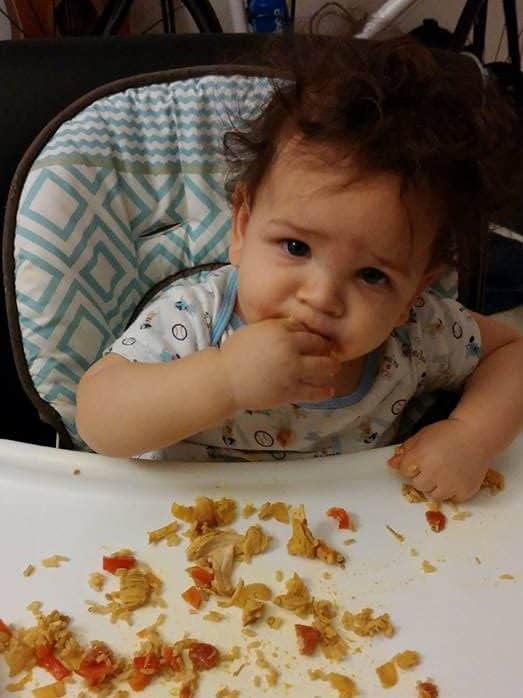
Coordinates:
124	194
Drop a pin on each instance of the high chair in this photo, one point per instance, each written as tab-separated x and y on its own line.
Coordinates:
119	192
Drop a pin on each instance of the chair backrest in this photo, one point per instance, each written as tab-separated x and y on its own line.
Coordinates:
120	191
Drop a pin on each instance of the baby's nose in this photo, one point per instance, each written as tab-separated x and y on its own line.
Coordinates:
322	292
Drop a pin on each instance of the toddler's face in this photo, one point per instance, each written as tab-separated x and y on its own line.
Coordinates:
346	262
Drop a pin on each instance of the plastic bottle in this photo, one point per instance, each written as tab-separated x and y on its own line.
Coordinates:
268	16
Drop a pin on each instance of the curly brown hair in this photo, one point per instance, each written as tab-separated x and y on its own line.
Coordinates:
395	106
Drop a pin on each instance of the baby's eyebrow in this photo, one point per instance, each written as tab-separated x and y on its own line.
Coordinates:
391	264
300	229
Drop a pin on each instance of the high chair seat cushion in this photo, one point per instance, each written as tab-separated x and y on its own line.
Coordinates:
125	193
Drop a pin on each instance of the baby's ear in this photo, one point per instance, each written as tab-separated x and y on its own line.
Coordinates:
240	219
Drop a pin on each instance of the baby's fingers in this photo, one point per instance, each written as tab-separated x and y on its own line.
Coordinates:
310	344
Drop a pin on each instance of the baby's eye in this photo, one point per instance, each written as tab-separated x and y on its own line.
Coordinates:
296	248
373	276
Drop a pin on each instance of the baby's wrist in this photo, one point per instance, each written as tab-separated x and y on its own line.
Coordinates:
228	382
475	434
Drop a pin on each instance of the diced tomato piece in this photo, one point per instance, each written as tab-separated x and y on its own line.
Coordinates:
96	665
139	681
340	515
147	664
436	520
193	597
4	628
426	689
308	638
46	660
201	576
124	562
203	656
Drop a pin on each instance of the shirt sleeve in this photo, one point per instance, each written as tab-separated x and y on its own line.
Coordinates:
174	325
445	342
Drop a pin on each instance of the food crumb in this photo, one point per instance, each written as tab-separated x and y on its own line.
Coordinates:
28	570
96	581
227	693
506	576
54	560
414	552
274	622
327	575
248	510
214	616
395	533
257	681
279	576
76	471
478	560
461	515
349	541
427	567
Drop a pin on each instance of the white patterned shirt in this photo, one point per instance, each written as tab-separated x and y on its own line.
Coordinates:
437	348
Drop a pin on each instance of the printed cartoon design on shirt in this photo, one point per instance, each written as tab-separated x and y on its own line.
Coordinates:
179	331
263	438
182	305
148	320
367	431
472	347
457	330
439	350
227	434
398	406
388	365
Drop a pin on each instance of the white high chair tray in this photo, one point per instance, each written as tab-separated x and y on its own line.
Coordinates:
463	619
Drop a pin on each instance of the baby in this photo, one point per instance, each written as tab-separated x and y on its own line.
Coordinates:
350	194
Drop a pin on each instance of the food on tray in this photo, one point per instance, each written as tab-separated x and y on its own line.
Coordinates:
364	624
387	672
138	587
28	570
213	551
343	684
427	689
303	543
54	560
396	535
436	520
274	510
494	481
427	567
342	517
411	494
211	512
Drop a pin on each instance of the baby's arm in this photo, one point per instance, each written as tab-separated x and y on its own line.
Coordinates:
126	408
449	459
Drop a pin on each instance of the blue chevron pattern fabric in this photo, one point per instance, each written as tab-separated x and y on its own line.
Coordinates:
124	194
